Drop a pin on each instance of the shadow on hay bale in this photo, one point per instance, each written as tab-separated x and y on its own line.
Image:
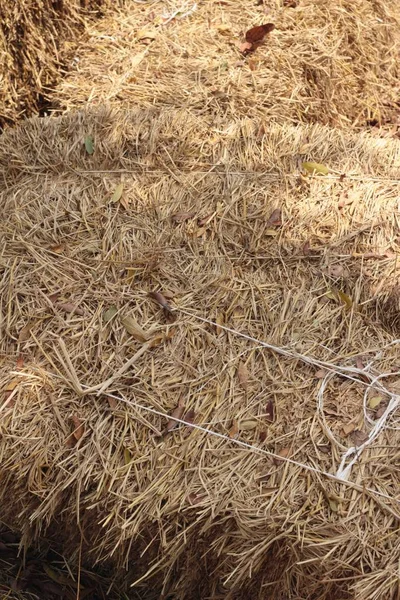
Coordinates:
37	37
326	62
188	511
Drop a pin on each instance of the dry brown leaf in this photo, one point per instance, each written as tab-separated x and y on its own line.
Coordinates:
183	216
348	428
359	437
20	362
258	33
234	429
134	329
189	416
71	308
335	271
275	219
220	320
59	249
158	297
112	402
284	453
321	374
269	411
194	498
243	375
263	436
382	407
324	448
25	332
79	429
176	414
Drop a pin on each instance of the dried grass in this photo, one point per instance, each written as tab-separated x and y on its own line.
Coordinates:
37	38
333	63
198	515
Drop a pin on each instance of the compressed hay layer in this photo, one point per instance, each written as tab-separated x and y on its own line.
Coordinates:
207	518
328	62
36	37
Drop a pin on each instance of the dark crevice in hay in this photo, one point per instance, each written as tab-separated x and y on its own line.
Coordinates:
38	41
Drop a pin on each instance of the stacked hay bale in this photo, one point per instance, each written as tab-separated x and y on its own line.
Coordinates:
37	39
334	63
93	368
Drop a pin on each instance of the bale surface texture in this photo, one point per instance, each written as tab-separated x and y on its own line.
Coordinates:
224	225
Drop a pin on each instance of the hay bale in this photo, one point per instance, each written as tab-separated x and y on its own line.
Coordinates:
188	513
37	38
328	62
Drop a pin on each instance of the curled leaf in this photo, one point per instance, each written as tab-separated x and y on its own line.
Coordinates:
189	416
374	402
158	297
182	217
117	193
109	313
258	33
79	429
234	429
248	425
314	168
345	299
177	413
133	327
275	220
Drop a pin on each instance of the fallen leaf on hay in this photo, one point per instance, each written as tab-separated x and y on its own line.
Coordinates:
335	270
25	332
194	498
69	307
146	34
109	313
306	249
176	414
133	327
271	232
20	362
333	505
347	429
182	217
127	456
263	436
243	375
161	338
248	425
112	403
359	437
59	249
275	220
331	295
258	33
117	195
189	416
224	28
158	297
374	402
359	363
269	411
314	168
290	3
89	144
324	448
345	299
137	59
284	453
245	47
79	427
321	374
234	429
381	409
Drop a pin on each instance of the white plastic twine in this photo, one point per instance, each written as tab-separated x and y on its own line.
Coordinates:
348	372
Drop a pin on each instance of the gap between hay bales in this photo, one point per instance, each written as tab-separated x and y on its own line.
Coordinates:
223	223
